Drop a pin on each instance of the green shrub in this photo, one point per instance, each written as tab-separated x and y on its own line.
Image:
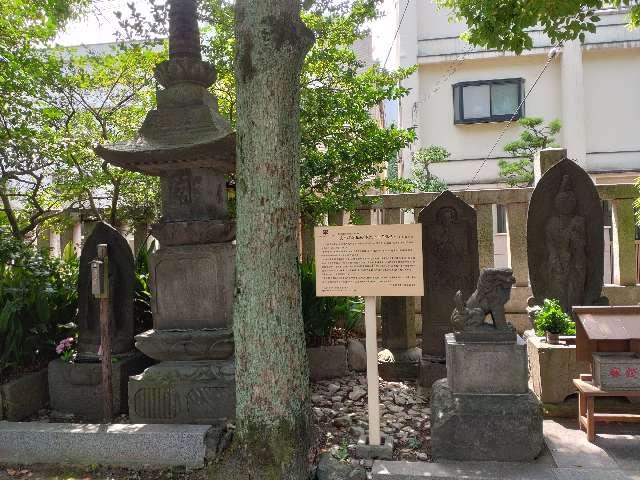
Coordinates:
143	317
553	319
38	302
322	314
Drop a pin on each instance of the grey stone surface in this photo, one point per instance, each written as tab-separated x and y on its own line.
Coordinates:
384	451
213	344
485	427
327	362
193	286
389	470
121	286
450	250
564	241
76	388
356	355
486	367
329	468
397	365
201	392
489	298
552	369
430	370
570	448
24	396
617	371
127	445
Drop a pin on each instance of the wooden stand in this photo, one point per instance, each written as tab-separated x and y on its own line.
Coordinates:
587	417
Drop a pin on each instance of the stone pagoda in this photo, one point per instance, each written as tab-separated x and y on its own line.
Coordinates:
191	147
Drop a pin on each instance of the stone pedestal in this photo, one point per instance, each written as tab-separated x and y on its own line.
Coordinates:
76	388
401	357
193	338
201	392
485	427
484	409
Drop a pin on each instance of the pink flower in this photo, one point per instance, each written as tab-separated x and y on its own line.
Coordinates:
65	344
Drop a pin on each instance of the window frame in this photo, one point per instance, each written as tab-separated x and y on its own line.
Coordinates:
459	108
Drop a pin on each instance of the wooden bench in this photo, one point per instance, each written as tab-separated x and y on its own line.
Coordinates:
587	417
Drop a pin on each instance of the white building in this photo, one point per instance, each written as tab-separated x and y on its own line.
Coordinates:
461	96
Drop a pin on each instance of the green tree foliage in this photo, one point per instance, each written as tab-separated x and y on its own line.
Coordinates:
104	98
55	105
534	137
344	149
505	25
423	179
29	140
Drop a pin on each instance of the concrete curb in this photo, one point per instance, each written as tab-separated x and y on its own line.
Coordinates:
110	445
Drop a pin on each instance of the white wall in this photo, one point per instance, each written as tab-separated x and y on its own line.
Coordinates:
469	144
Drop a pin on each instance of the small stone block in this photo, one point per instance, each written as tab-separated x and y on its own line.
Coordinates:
384	451
487	367
76	388
429	371
24	396
327	362
114	445
485	427
201	392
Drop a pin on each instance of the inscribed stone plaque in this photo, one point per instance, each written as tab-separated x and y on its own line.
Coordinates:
369	260
564	241
450	250
121	286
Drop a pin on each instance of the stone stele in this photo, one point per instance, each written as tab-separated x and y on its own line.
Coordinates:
450	252
564	238
192	148
75	388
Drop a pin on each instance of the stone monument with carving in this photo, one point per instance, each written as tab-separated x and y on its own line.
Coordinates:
75	388
191	147
450	251
564	240
484	409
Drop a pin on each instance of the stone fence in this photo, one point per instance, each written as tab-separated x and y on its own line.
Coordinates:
403	208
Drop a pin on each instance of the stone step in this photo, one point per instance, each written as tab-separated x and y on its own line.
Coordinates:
130	445
393	470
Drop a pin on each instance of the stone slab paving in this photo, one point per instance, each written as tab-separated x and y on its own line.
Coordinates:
119	444
614	456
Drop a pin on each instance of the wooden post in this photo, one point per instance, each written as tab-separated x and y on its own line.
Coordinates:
100	290
372	370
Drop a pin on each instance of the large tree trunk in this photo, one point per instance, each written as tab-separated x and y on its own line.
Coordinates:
272	424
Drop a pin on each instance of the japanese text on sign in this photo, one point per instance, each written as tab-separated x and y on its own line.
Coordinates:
369	260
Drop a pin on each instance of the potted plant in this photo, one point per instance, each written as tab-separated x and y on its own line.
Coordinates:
552	321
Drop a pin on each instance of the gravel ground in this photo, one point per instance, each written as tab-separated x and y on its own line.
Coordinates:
340	413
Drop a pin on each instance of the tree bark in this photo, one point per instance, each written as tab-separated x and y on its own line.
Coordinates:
272	383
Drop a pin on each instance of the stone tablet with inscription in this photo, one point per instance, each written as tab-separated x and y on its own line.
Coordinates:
450	250
368	260
564	240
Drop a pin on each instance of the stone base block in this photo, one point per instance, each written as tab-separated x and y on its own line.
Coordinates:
384	451
24	396
486	367
430	370
468	427
397	365
198	392
112	445
327	362
168	345
552	369
76	388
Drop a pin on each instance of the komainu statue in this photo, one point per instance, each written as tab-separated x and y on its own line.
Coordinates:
492	292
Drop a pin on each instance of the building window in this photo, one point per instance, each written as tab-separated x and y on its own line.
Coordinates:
501	219
487	100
